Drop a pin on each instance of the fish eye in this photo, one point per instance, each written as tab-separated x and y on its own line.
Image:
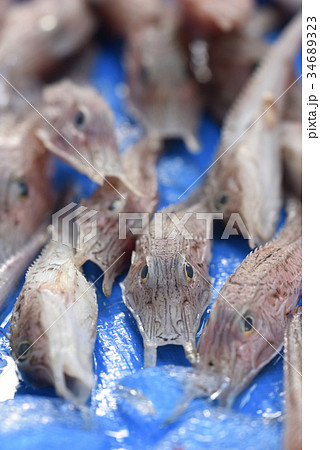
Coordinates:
79	119
247	324
23	188
24	350
222	200
19	188
145	273
188	271
114	206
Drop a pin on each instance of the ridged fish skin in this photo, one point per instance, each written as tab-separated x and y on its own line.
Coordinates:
169	300
247	174
53	325
246	326
293	381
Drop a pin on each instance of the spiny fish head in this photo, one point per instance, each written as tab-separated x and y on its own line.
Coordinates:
28	339
49	346
236	344
80	130
166	294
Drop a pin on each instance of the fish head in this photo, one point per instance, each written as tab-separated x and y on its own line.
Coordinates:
49	347
118	213
26	194
227	187
167	294
162	93
79	129
237	344
239	190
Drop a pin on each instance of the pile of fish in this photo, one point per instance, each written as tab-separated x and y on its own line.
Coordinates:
181	58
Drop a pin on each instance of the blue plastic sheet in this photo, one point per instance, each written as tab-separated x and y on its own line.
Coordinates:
132	417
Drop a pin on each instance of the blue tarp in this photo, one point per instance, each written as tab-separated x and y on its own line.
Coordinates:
36	418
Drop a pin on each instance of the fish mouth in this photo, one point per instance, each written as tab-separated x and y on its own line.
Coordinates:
72	382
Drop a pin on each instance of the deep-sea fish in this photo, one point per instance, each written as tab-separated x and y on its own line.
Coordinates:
53	325
168	286
26	200
246	175
112	245
37	35
80	130
162	93
246	326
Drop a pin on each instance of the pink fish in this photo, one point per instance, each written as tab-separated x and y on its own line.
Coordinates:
109	249
80	130
49	26
246	326
53	325
162	93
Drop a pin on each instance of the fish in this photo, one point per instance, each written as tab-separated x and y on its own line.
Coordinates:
168	286
245	329
79	129
123	17
211	17
247	173
27	199
163	96
51	27
293	381
108	249
53	325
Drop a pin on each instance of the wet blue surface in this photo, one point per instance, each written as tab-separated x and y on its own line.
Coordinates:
35	418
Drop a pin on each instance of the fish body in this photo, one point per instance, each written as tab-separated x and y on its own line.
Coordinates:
79	129
168	286
162	93
293	381
26	199
53	325
246	326
247	171
108	248
51	27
